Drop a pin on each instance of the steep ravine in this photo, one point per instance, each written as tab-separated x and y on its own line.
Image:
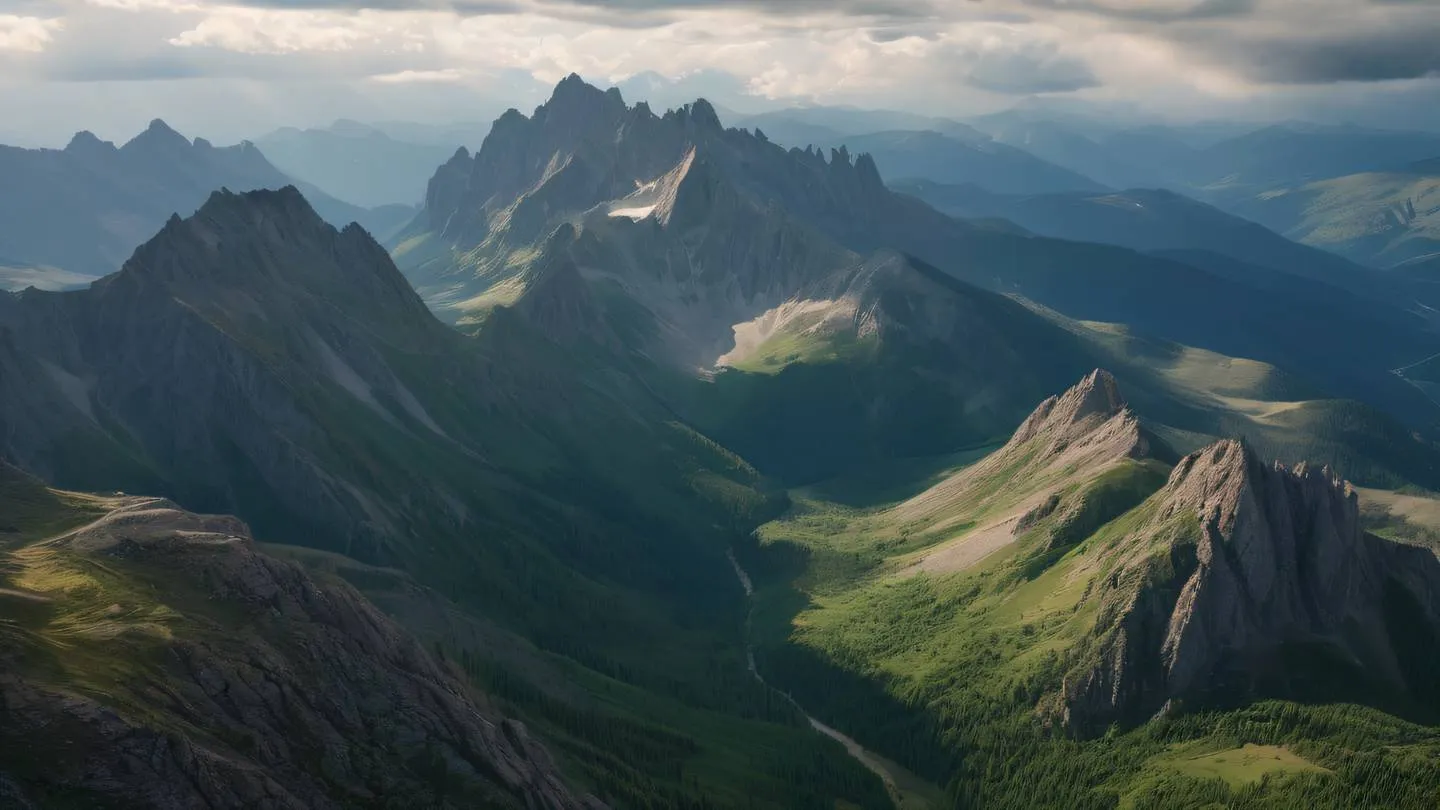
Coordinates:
904	787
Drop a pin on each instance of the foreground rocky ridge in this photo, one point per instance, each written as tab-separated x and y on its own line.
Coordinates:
1239	564
222	677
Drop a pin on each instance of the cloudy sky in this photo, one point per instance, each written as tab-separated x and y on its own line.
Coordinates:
228	69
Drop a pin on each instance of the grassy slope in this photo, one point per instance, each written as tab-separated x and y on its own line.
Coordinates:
1378	218
806	405
942	671
1193	397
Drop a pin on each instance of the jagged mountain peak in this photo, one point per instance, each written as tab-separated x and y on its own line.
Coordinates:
1093	400
286	202
574	97
1237	559
194	245
86	142
271	245
1220	481
703	114
158	136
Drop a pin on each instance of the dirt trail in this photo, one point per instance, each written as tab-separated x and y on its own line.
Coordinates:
890	773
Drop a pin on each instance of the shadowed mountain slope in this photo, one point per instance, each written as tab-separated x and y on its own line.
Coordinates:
253	359
154	657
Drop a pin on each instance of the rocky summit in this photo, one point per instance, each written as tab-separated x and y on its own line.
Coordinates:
1239	562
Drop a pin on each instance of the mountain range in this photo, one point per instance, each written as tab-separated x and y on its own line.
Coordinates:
252	359
315	516
81	210
586	155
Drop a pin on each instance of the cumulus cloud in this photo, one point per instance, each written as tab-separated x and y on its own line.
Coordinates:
26	34
934	56
263	31
419	76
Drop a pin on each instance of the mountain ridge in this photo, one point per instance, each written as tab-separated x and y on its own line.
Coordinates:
1277	555
220	688
86	207
532	175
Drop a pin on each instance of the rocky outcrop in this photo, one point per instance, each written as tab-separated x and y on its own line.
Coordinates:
269	689
1240	560
1063	418
585	148
1082	431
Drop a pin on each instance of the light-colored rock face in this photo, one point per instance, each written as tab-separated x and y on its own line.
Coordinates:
1093	400
309	697
1239	559
1066	443
1086	429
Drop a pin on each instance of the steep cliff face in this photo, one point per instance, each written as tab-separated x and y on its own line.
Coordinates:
1238	565
156	658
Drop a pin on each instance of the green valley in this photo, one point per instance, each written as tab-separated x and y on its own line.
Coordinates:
949	629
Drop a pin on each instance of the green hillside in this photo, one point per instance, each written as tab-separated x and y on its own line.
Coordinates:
939	628
1379	218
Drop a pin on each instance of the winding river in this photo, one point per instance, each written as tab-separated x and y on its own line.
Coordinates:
890	773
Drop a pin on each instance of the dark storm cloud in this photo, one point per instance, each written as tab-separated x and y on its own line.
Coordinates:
653	10
1197	10
1402	54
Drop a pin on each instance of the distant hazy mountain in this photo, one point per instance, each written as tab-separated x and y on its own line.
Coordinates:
83	209
357	163
1294	154
850	121
989	164
1382	218
1365	194
911	146
1150	156
1142	219
1065	147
